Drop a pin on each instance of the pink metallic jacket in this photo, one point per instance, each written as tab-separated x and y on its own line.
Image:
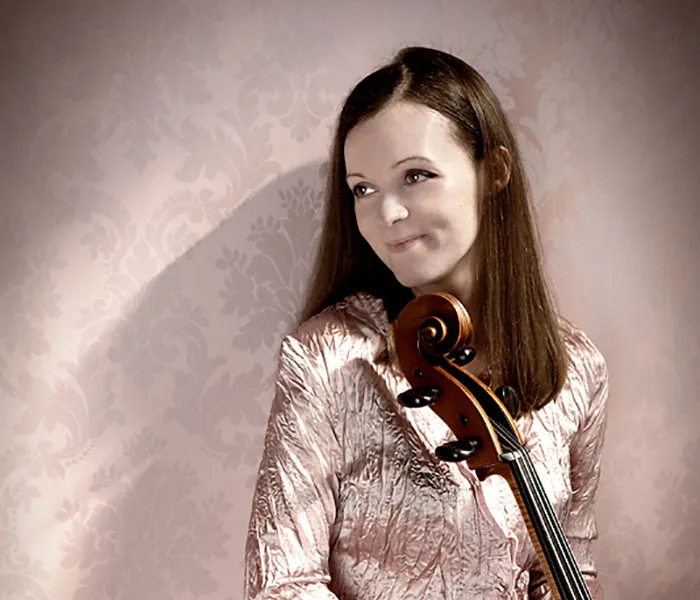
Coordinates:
352	503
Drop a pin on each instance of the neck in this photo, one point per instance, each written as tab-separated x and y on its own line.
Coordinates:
470	294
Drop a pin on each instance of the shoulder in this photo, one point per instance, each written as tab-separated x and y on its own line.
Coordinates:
314	357
356	325
586	362
583	400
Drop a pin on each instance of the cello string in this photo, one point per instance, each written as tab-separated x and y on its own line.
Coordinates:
540	497
563	557
557	556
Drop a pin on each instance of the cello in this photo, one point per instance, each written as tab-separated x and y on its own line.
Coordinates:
431	343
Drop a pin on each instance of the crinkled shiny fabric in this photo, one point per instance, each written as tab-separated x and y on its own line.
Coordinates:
352	503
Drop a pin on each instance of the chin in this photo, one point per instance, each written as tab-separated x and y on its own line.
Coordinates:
415	280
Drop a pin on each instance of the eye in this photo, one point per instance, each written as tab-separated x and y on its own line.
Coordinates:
360	190
418	176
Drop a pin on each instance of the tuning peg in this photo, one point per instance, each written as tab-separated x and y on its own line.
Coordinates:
419	397
457	451
462	357
510	399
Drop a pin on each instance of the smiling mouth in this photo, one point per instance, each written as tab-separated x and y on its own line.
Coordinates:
403	245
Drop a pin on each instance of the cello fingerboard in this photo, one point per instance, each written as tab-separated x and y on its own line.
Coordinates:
533	536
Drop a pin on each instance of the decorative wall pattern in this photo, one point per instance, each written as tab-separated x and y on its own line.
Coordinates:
161	177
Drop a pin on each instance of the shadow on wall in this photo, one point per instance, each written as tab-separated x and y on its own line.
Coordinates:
174	402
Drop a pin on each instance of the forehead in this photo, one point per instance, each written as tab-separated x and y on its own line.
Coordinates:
398	131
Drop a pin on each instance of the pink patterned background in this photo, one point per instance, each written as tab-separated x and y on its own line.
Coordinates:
161	168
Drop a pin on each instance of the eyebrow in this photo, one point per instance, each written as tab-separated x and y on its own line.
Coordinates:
396	164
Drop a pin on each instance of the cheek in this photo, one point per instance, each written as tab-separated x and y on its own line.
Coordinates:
465	222
364	225
464	236
458	234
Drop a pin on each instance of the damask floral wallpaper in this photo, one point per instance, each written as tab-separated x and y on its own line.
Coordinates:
161	176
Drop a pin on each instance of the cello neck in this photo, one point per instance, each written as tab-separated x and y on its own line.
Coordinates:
556	558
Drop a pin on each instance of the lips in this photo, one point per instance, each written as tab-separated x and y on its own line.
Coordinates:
402	244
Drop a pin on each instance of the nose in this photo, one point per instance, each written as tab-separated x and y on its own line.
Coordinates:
392	209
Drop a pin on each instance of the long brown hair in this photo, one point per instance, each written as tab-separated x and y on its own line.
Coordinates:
525	344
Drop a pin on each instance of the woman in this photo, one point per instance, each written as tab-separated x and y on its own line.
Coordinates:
426	193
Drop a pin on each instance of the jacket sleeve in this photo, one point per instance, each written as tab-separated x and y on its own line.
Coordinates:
294	503
585	460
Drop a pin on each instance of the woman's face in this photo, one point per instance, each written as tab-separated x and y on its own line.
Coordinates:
416	197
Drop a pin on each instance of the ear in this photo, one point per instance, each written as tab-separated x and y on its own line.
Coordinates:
502	162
